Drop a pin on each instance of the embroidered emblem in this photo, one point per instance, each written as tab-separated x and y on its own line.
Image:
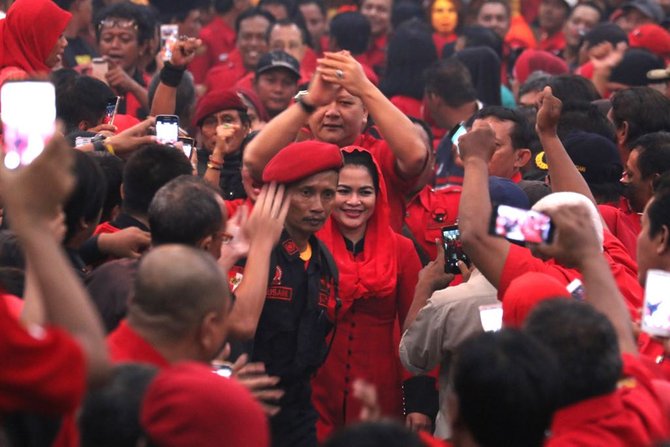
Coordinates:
276	279
235	276
279	293
290	247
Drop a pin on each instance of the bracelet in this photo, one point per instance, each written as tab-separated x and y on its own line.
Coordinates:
171	75
108	146
215	162
213	166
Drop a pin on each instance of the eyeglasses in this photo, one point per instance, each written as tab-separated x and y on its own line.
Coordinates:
119	23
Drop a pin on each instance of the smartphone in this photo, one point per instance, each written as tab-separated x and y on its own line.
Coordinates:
169	36
491	316
453	249
455	134
111	108
167	129
28	120
576	289
99	68
187	145
519	225
656	312
223	369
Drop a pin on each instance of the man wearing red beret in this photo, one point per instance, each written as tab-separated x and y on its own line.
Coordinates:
336	109
289	327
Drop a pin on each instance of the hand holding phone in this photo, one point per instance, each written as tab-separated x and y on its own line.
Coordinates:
455	134
169	36
187	146
99	68
111	109
519	225
656	311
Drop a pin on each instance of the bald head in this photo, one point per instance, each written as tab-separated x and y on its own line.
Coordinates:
175	288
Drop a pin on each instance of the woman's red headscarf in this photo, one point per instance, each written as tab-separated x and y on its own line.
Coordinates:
374	273
29	33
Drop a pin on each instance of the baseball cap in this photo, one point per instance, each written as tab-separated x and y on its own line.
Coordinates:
504	191
278	59
633	68
650	8
651	37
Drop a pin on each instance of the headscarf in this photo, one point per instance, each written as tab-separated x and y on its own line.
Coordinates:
374	275
29	33
484	67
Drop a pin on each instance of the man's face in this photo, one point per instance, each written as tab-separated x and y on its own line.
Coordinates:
581	21
494	16
191	25
289	40
275	88
224	117
251	40
119	42
339	122
378	13
637	190
631	19
311	202
505	162
315	20
552	15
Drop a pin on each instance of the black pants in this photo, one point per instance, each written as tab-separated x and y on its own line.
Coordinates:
295	424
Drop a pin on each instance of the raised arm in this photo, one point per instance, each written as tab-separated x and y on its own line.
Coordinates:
33	196
165	98
576	245
488	253
398	131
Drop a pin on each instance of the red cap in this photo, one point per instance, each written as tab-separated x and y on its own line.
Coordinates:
534	60
651	37
217	101
123	122
301	160
188	405
525	292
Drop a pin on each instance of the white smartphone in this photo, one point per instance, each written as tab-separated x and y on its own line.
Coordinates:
167	129
187	145
28	119
491	317
169	36
99	68
656	311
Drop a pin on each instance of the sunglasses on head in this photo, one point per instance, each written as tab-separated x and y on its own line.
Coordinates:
119	23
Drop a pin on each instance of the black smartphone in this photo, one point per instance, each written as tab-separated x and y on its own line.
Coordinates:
167	129
187	145
520	225
453	250
455	134
111	108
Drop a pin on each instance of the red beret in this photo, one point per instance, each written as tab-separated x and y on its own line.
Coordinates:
300	160
533	60
217	101
527	291
187	405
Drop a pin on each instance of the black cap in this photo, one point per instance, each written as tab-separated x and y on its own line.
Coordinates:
650	8
633	68
278	59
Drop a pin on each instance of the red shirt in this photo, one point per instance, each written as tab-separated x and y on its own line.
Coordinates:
624	269
126	345
219	41
396	186
375	56
233	205
440	42
43	369
553	44
105	227
625	226
409	106
307	66
630	416
226	74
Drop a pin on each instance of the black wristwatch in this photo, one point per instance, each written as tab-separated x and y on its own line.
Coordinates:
300	99
98	143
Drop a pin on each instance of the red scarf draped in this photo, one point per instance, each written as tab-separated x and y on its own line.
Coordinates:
374	273
29	33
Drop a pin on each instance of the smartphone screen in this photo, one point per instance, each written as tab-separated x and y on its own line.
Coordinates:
656	312
491	316
455	134
28	119
187	146
169	36
453	249
167	129
519	225
111	108
576	290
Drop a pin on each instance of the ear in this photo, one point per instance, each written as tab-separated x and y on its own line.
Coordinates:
211	335
622	133
663	237
522	157
364	121
205	242
121	193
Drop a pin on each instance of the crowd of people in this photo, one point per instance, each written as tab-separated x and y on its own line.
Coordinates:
311	259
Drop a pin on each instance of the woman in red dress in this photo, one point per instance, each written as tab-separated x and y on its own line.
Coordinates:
378	270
